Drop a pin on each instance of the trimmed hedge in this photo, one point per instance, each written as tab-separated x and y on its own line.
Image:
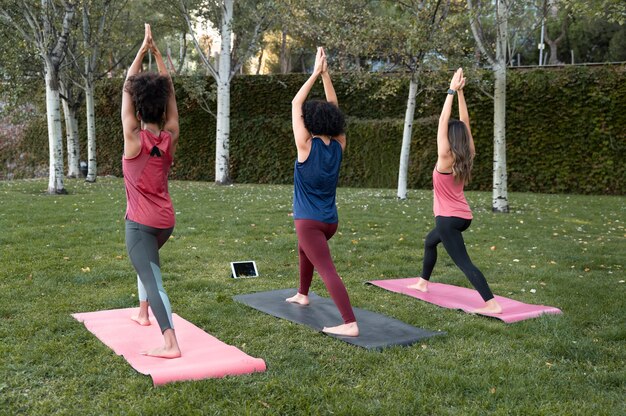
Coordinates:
565	131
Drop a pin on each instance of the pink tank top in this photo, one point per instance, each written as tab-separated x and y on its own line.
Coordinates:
449	200
148	200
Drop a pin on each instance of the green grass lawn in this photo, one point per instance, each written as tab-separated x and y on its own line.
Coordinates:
66	254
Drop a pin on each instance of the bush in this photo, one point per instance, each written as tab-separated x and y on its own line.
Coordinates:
565	131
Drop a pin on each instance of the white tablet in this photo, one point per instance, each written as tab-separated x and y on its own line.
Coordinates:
242	269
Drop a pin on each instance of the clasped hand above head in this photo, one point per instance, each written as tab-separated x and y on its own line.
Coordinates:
321	65
148	42
458	80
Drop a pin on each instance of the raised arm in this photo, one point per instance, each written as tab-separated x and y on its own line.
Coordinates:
171	109
464	116
443	144
300	132
331	96
130	124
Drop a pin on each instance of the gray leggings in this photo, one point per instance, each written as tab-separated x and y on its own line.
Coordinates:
143	244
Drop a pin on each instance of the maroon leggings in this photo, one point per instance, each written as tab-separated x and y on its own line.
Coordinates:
314	253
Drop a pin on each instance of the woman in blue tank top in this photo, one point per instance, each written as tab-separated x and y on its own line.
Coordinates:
318	128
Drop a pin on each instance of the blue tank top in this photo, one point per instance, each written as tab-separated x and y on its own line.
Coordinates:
315	183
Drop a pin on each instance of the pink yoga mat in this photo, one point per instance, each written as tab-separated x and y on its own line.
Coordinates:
203	356
455	297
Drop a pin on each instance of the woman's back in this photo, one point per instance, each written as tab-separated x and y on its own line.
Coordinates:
315	182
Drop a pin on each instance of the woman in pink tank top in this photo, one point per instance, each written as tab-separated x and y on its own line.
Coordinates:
150	124
455	150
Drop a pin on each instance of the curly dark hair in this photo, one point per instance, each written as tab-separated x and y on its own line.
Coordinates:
322	117
150	92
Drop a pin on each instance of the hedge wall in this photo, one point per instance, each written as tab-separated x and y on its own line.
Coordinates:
565	131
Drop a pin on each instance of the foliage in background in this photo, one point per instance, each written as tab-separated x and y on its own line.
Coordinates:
565	132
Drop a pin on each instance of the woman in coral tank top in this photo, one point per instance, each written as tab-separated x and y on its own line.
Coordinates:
150	124
455	149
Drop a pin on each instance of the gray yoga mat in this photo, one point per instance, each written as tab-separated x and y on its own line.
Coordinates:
376	331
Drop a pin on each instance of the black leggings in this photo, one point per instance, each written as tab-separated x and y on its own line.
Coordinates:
143	244
448	230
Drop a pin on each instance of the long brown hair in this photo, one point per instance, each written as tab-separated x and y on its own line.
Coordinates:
462	158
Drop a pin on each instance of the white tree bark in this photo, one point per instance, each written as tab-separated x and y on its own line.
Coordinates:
92	58
222	143
92	44
55	131
71	131
92	166
406	140
223	75
36	27
500	198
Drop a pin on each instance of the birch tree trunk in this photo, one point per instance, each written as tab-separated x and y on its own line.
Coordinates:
260	61
92	166
223	74
222	142
71	131
35	25
285	58
553	11
55	131
182	52
406	140
500	198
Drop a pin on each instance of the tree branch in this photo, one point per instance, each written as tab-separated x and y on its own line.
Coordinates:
61	45
251	48
10	21
205	60
116	63
478	33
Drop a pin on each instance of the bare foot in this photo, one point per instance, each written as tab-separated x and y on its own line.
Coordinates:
163	352
346	330
298	298
491	307
421	285
140	320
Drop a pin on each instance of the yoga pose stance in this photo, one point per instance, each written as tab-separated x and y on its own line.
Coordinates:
318	127
455	149
150	124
